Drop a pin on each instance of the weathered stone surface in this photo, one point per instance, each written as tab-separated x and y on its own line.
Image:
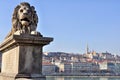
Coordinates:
24	19
12	77
22	48
22	56
24	39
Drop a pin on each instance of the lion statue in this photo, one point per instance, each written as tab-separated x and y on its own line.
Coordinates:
24	19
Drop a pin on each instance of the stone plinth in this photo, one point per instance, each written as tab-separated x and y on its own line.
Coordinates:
22	57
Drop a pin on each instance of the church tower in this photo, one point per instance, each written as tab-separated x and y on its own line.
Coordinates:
87	49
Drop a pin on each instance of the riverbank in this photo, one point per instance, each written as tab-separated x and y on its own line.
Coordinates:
80	78
83	75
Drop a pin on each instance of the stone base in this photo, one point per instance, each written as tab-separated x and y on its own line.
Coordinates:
31	79
21	77
22	57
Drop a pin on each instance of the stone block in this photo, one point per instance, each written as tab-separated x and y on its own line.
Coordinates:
22	57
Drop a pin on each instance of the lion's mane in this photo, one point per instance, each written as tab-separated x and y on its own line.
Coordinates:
16	25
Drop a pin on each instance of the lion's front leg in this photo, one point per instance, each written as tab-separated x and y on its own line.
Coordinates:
22	30
29	29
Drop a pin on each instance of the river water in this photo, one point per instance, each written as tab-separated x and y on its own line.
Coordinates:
81	78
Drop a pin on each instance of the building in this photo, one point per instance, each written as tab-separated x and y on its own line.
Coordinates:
48	68
107	67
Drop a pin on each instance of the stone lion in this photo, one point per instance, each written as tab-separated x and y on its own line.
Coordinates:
24	19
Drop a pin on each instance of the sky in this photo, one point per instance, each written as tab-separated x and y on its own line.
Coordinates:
72	23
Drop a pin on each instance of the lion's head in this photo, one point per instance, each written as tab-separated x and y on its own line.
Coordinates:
24	18
24	14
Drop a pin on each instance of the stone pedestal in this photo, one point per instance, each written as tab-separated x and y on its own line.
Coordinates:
22	57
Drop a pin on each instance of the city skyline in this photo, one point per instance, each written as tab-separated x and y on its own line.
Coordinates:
72	24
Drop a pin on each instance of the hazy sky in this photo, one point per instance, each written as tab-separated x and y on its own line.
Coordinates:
72	23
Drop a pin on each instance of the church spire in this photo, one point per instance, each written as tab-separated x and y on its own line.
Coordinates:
87	49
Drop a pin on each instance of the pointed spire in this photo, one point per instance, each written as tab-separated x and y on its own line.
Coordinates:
87	49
